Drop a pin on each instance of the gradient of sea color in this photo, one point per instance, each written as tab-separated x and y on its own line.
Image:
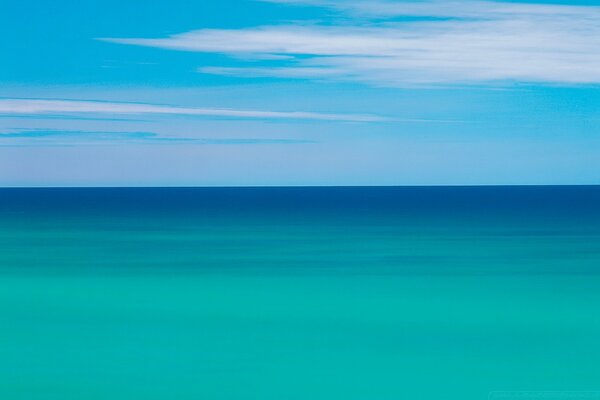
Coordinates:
298	293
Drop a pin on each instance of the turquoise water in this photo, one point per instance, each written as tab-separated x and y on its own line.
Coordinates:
349	293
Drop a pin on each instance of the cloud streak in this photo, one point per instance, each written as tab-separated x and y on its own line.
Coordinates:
79	107
64	134
460	42
447	8
67	137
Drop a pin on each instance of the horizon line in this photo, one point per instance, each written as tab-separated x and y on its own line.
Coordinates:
298	186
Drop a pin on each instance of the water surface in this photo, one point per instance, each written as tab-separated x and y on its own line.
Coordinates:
298	293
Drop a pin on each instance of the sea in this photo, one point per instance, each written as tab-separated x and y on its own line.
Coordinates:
300	293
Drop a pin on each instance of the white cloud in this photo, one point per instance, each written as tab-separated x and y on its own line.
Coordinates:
53	106
465	42
447	8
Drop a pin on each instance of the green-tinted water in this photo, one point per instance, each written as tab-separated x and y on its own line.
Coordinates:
230	303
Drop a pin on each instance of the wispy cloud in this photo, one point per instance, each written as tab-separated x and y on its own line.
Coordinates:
78	107
53	133
66	137
446	8
454	42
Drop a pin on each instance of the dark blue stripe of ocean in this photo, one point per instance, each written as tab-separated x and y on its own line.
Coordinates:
299	293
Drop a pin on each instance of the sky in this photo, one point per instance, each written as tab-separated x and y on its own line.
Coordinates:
299	92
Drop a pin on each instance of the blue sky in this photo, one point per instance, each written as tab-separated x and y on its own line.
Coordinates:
299	92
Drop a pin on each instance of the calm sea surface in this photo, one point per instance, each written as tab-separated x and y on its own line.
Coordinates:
299	293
